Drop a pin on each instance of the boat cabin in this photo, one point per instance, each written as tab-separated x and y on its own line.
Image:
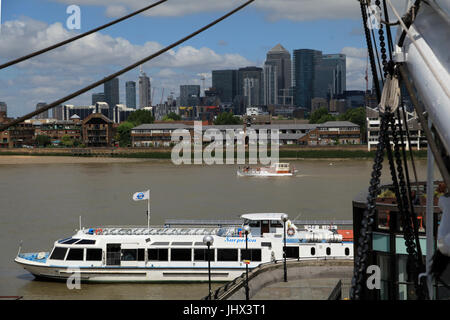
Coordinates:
261	223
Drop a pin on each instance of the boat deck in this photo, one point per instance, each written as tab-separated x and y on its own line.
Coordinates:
221	232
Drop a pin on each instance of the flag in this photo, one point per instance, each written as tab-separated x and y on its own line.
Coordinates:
145	195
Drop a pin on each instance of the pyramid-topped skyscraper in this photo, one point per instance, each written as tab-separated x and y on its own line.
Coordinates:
277	66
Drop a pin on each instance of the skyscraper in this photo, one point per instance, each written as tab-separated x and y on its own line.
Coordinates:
130	90
111	89
189	95
251	73
226	84
3	107
330	77
305	65
270	83
144	90
252	89
98	97
279	57
43	115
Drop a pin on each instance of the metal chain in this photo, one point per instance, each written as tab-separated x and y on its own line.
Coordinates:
407	219
368	215
382	43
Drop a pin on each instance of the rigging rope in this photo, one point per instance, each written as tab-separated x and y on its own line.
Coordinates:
118	73
59	44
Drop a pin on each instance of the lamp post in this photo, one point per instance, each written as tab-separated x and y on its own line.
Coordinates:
209	240
246	230
284	217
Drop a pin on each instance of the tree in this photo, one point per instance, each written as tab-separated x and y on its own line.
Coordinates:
123	134
172	116
43	140
320	115
140	116
227	118
67	141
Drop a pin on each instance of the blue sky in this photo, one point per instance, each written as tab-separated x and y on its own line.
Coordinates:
241	40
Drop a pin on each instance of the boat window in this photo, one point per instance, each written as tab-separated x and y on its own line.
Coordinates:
328	251
75	254
133	255
86	241
251	254
254	224
182	243
199	244
347	251
158	254
227	255
58	253
62	240
202	254
93	254
276	224
180	254
160	244
313	251
292	252
266	244
70	241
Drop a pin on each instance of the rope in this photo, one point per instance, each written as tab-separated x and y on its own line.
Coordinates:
118	73
36	53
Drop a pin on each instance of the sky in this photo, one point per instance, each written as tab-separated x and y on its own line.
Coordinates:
332	26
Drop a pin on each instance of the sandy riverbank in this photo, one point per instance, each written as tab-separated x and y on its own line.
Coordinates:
5	160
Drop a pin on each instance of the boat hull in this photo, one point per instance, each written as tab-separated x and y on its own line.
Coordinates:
123	274
264	174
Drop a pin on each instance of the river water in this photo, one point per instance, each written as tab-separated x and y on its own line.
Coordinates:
41	202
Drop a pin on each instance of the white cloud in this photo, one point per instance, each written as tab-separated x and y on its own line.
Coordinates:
356	67
115	11
51	76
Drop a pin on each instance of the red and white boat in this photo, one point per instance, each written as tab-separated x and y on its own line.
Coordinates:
275	170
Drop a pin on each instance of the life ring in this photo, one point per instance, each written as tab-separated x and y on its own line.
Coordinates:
291	231
98	231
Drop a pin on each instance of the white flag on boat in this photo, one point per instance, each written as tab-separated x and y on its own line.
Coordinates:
145	195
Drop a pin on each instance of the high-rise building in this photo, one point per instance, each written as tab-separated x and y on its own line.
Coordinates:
130	92
270	83
279	57
144	91
330	77
98	97
252	89
3	107
43	115
305	66
57	112
251	73
111	89
226	84
189	95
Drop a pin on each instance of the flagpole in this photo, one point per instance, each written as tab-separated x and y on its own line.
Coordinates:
148	212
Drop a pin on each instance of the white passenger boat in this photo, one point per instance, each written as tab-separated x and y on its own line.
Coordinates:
158	254
275	170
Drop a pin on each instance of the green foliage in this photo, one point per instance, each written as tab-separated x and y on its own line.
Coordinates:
43	140
123	134
227	118
172	117
357	116
321	115
141	116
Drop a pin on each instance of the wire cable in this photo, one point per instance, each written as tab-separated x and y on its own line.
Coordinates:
118	73
59	44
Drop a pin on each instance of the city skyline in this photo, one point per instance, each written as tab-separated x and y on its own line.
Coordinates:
187	64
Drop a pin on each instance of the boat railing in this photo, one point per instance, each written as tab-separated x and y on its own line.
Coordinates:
150	231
